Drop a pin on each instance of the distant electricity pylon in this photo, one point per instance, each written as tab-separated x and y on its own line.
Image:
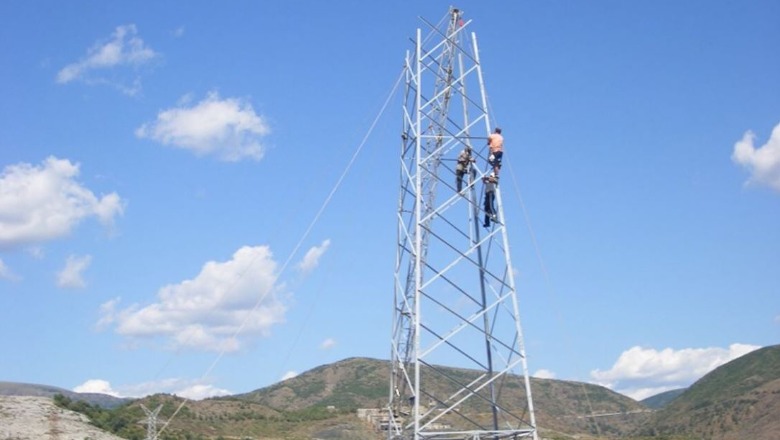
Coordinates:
151	422
455	301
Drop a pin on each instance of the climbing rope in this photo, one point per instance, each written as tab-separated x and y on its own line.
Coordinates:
297	247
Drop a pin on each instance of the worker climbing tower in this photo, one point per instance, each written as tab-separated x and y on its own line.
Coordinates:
459	366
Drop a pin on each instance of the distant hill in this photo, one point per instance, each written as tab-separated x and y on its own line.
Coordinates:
350	383
662	399
27	389
738	400
560	406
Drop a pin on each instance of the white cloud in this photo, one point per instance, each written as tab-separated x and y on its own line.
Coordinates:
641	372
289	375
544	374
107	314
201	391
226	128
96	386
6	273
225	300
190	389
41	203
327	344
178	32
312	258
123	49
70	276
763	162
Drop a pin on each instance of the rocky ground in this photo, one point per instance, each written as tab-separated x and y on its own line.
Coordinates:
37	418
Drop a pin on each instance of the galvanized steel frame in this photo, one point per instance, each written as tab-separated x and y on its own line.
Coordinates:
455	300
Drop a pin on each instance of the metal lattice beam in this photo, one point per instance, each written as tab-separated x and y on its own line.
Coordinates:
455	301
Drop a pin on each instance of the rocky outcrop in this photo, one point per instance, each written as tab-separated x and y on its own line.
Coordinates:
37	418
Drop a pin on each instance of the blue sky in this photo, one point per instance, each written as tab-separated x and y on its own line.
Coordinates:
164	166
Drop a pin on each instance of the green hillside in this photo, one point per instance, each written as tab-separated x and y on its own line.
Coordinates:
661	400
560	406
740	399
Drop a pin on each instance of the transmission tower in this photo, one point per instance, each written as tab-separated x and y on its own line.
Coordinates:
151	422
459	367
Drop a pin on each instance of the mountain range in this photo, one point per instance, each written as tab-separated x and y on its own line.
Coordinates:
738	400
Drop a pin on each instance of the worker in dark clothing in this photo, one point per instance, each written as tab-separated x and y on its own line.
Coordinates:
490	199
464	165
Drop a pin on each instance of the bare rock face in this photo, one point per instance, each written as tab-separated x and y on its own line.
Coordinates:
37	418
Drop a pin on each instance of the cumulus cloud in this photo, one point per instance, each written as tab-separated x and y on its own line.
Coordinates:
6	273
327	344
226	128
642	372
190	389
200	391
289	375
544	374
312	258
225	300
70	277
763	163
123	49
96	386
41	203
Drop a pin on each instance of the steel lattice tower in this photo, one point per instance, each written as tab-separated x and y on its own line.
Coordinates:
151	422
455	300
